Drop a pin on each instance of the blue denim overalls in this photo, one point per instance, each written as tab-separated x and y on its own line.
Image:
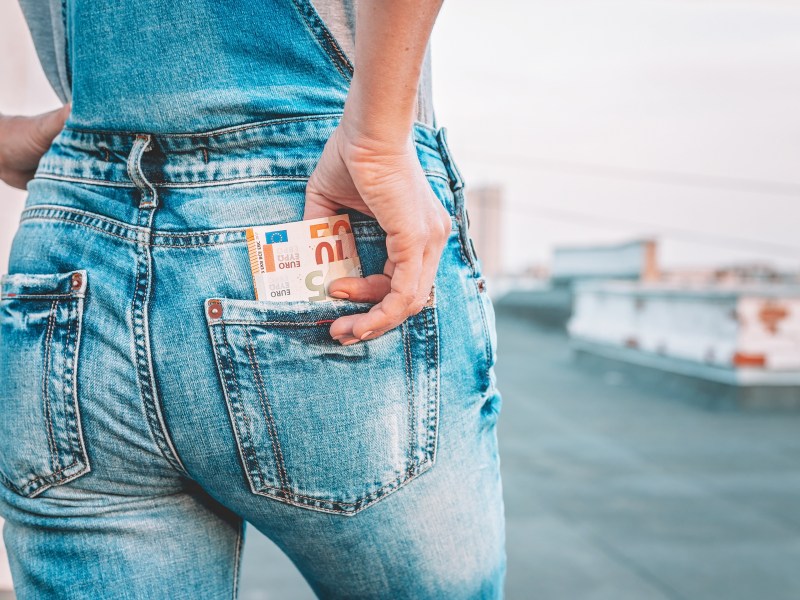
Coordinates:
150	405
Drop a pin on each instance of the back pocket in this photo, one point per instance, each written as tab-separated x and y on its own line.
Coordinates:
320	425
41	443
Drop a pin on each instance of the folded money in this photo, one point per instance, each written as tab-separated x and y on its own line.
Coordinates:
298	261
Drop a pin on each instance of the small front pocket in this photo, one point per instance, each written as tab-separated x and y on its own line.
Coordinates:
320	425
41	443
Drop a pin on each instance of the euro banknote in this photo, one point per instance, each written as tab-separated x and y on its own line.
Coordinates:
298	261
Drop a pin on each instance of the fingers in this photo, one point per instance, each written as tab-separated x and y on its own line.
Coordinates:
48	125
398	304
318	206
373	288
409	279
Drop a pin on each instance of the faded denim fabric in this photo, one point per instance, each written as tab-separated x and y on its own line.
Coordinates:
150	406
48	22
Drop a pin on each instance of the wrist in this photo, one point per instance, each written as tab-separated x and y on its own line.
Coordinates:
378	118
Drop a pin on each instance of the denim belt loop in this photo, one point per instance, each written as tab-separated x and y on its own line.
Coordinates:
456	181
141	144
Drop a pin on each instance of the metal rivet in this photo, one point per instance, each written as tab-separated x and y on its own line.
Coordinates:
77	281
214	309
481	285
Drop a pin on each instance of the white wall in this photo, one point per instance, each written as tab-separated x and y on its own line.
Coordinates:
23	90
712	326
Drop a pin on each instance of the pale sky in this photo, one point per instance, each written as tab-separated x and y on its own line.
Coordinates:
689	109
603	120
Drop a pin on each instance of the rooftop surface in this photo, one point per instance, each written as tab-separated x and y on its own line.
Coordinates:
616	490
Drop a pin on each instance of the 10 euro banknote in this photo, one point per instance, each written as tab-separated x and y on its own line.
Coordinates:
298	261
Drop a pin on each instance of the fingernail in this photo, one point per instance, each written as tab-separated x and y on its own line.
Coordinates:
343	295
348	342
366	334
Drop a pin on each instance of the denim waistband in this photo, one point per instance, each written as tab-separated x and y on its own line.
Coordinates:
264	150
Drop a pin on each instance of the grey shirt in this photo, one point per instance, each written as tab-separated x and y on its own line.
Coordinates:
45	21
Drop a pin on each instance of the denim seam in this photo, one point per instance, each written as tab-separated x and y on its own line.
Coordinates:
225	365
460	245
215	132
79	224
412	417
161	183
434	377
78	430
432	360
143	358
66	390
188	245
324	38
104	182
237	559
55	463
92	220
429	366
67	48
37	296
487	349
363	502
249	322
454	174
36	484
266	408
70	382
463	232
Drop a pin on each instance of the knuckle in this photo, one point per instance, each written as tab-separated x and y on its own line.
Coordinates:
416	306
417	237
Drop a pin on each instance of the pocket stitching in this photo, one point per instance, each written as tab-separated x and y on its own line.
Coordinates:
412	442
340	507
433	382
276	448
248	455
487	341
55	463
37	485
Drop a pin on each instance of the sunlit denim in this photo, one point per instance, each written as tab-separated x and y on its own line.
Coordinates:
149	405
159	66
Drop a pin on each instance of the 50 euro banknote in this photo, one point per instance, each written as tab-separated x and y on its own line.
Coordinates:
298	261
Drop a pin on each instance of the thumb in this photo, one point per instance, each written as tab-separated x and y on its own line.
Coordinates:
48	125
317	205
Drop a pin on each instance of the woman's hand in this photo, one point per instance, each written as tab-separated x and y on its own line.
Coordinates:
23	141
384	181
370	164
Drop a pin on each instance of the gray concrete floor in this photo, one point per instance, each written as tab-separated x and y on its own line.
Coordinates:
616	490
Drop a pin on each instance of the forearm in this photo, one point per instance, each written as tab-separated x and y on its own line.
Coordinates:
391	38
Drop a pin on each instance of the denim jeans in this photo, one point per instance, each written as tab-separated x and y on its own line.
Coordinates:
150	405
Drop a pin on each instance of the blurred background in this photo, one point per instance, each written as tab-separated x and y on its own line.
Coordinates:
633	177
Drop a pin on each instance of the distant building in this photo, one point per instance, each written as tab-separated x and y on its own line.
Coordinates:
485	208
744	338
733	274
636	260
551	303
